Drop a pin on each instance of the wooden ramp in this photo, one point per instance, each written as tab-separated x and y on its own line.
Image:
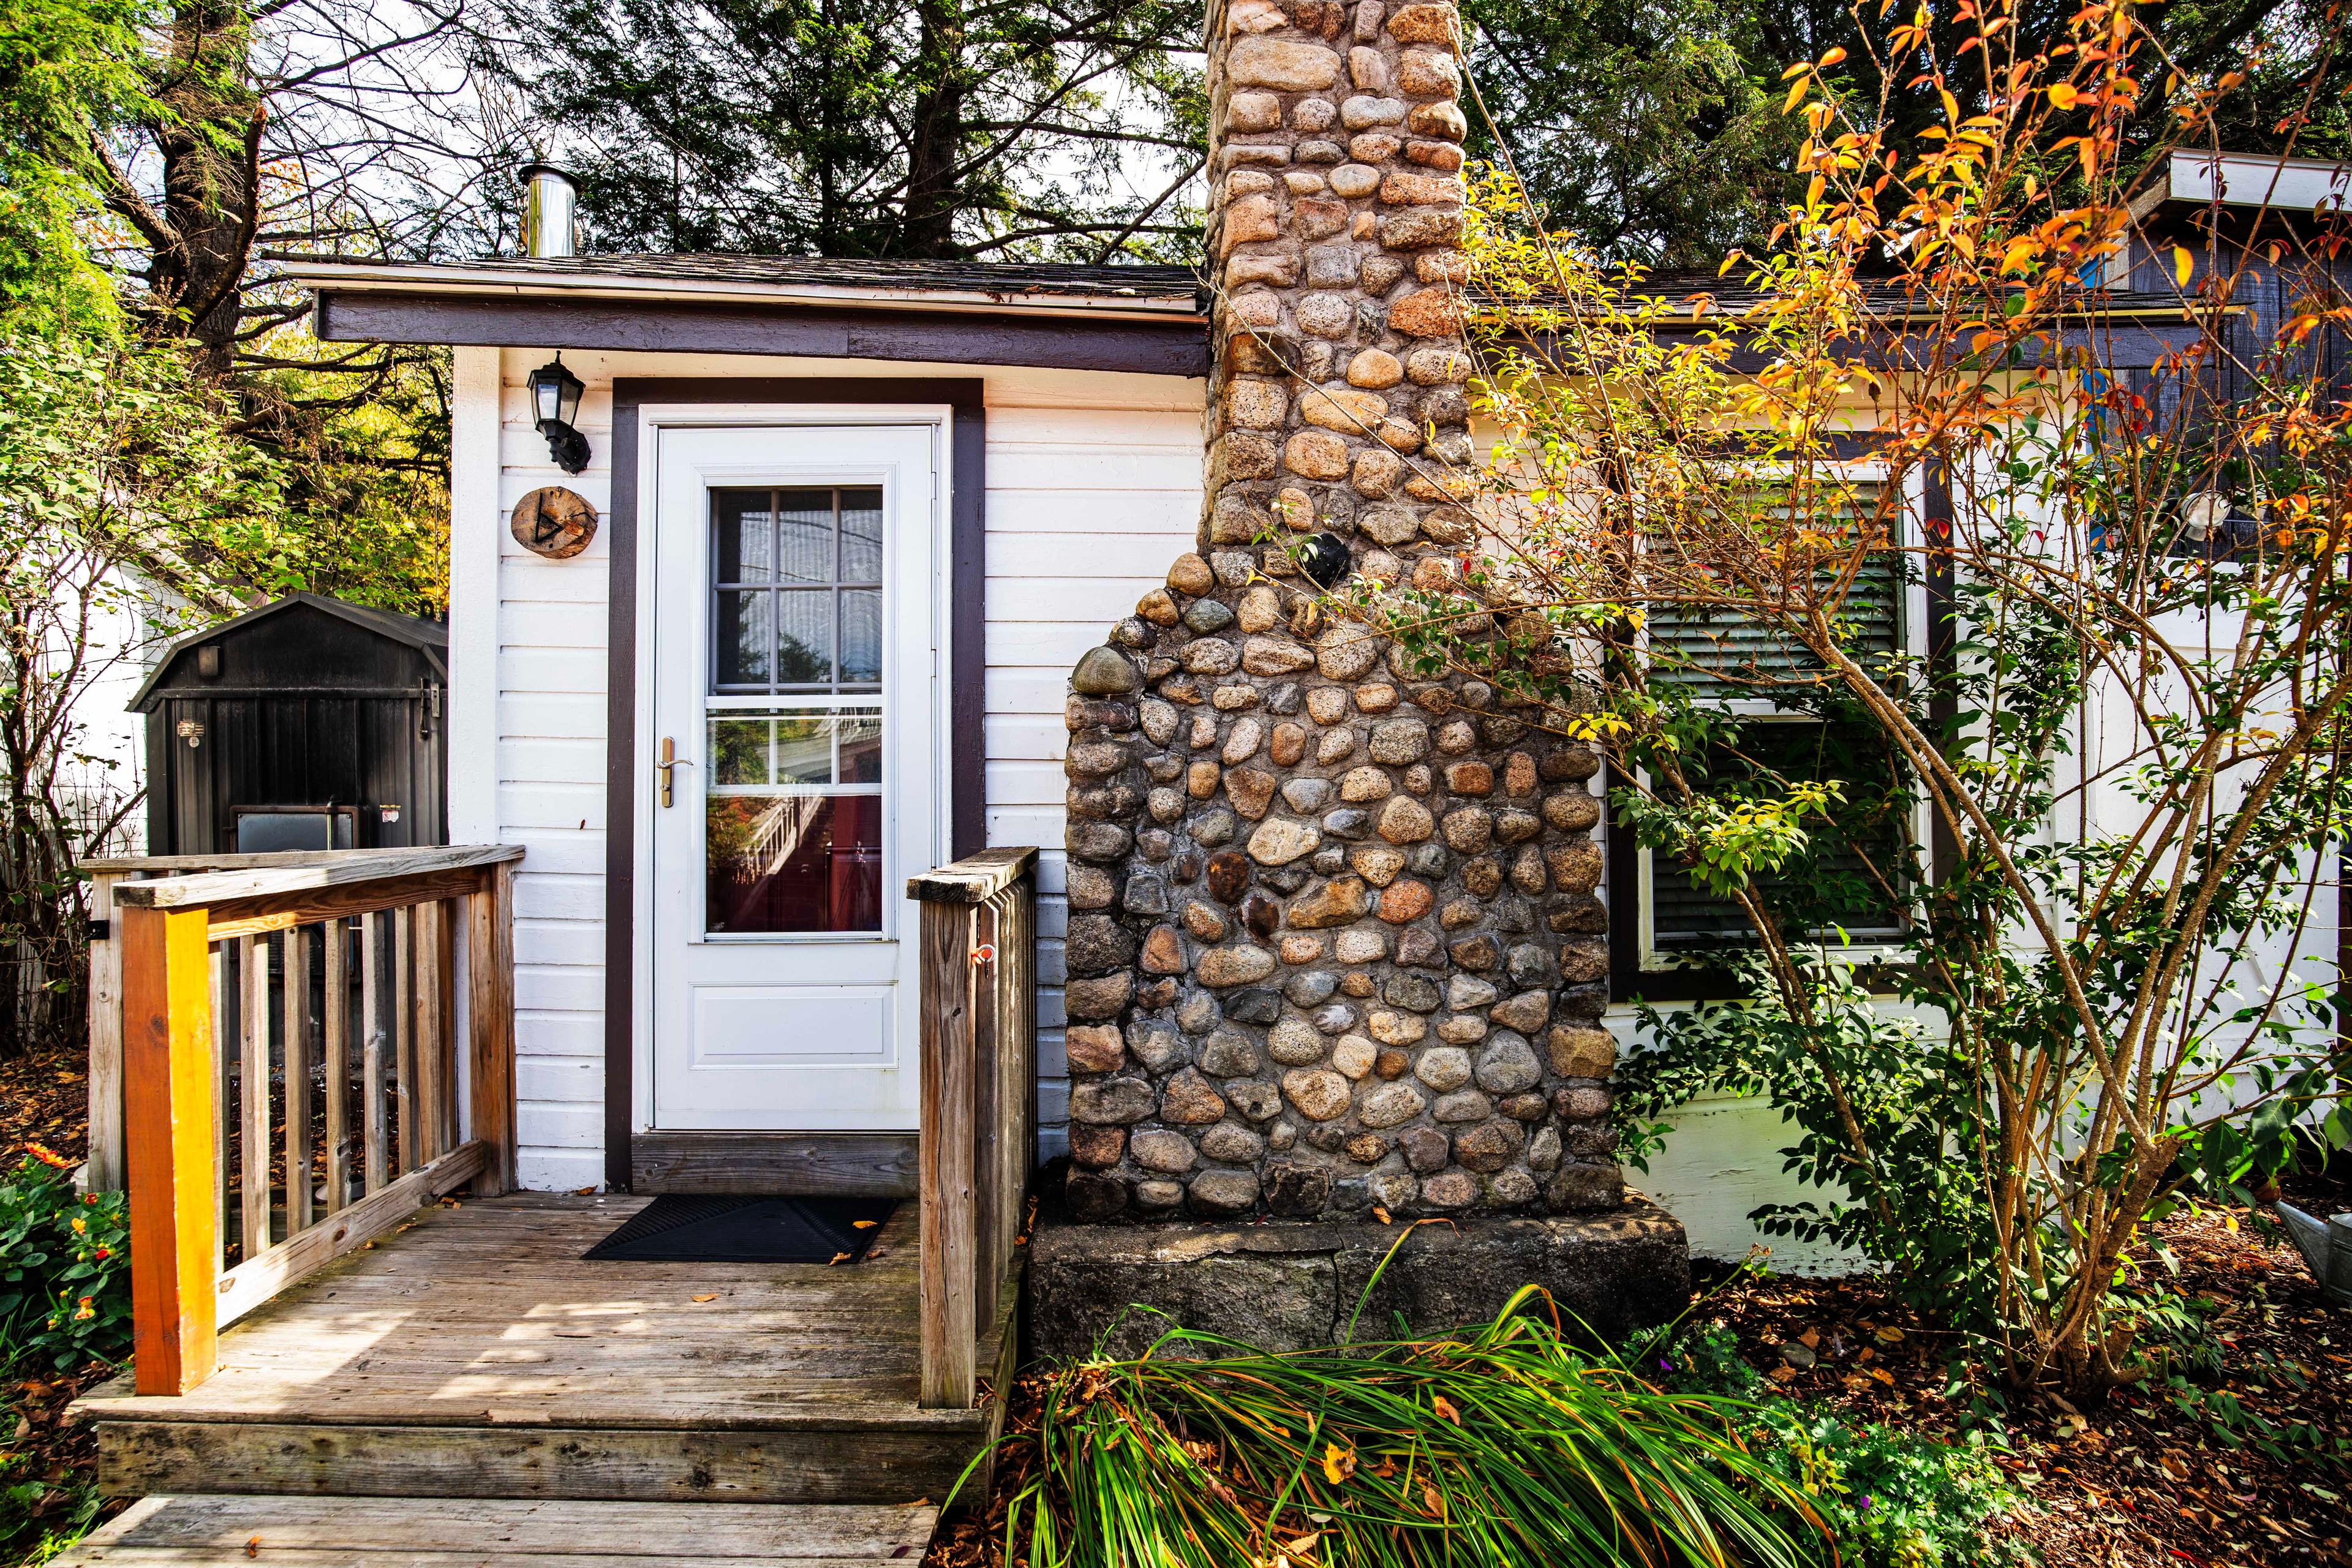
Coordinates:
474	1353
217	1531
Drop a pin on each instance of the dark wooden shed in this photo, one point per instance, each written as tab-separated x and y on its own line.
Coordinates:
306	724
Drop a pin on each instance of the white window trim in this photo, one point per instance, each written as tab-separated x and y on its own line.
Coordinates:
1912	533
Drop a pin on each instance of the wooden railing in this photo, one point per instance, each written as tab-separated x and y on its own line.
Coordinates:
275	1068
979	1104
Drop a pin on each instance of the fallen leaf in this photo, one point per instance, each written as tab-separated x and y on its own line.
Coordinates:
1444	1407
838	1258
1890	1336
712	1296
1339	1463
253	1547
1381	1214
1811	1339
584	1192
1783	1374
864	1224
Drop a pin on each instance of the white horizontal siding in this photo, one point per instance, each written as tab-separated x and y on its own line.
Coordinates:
1094	487
1128	480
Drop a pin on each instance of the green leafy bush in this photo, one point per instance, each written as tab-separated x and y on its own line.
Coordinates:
65	1271
1889	1498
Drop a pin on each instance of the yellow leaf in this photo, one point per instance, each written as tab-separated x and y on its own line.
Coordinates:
1800	68
1380	1214
2184	265
2062	95
1444	1407
1796	96
1339	1463
1890	1335
864	1224
1883	1375
713	1297
1832	57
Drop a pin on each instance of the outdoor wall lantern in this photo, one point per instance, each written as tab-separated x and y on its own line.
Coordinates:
1325	559
554	404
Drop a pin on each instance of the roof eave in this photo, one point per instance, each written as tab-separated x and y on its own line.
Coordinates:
515	283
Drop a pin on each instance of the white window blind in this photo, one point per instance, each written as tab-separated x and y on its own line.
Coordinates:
1715	654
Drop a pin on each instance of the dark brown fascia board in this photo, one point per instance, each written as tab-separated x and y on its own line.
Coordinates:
1178	346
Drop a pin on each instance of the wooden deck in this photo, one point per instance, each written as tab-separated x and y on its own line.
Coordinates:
425	1532
474	1353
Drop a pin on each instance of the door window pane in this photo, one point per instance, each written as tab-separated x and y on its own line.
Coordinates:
861	536
746	551
804	536
793	821
804	638
745	637
861	637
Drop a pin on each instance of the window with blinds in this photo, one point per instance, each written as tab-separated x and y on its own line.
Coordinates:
1828	889
1717	654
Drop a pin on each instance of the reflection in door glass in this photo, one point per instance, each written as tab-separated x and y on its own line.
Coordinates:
796	585
794	829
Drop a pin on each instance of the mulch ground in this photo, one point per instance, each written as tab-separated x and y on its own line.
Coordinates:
45	1099
2158	1477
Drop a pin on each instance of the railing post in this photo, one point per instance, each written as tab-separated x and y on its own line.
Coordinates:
105	1038
945	1185
170	1114
489	1015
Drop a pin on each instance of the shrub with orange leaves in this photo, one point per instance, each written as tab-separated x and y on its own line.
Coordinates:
1964	628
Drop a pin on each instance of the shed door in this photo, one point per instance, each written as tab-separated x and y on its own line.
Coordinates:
795	668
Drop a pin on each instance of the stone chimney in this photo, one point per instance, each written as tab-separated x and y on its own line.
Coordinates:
1334	942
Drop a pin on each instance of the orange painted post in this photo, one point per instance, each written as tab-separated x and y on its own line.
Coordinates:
170	1113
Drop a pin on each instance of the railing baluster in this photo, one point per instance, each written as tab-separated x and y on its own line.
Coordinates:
375	1138
105	1040
216	966
253	1091
403	1027
337	1023
297	982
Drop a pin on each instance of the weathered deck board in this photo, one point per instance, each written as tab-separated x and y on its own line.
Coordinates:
220	1532
475	1353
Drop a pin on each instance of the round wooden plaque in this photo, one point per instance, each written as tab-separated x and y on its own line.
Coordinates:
554	522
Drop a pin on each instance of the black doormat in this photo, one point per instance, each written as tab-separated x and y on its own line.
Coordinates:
747	1230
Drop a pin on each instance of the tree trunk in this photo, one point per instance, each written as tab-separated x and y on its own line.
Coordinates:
209	139
929	229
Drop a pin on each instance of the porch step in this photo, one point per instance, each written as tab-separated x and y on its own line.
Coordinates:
475	1353
202	1530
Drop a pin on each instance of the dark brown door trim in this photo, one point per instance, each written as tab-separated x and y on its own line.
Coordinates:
967	458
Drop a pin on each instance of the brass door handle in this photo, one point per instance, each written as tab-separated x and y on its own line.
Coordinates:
669	760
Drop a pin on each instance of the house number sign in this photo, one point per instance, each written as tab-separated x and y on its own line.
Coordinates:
554	522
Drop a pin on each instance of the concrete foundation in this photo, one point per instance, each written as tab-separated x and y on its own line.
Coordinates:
1287	1284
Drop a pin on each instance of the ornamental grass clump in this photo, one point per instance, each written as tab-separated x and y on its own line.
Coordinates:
1505	1445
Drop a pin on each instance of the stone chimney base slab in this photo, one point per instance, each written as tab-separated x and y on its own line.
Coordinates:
1288	1284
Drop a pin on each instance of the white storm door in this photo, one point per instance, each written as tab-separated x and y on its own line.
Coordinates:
794	671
